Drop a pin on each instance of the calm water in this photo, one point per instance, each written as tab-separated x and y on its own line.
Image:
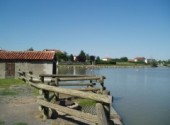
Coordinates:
141	95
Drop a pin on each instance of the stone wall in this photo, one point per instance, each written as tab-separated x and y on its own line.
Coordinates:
2	70
35	67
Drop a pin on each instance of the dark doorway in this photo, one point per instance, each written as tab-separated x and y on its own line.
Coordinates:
10	70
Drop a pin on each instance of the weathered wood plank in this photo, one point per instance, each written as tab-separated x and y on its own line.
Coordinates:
76	84
93	96
87	89
79	78
115	117
82	115
102	119
52	75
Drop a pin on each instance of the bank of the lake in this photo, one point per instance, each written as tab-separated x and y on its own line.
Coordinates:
107	66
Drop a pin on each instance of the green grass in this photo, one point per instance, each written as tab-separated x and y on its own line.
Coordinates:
7	92
20	123
2	122
6	83
35	91
5	86
85	102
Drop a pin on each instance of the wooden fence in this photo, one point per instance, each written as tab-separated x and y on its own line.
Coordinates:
50	89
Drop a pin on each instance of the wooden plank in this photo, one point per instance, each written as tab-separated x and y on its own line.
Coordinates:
52	75
82	115
76	93
115	117
76	84
79	78
87	89
101	115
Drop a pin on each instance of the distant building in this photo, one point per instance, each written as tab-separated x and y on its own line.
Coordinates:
139	59
36	61
131	60
106	59
75	58
56	50
148	61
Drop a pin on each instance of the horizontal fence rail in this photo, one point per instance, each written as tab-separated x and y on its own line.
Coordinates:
76	93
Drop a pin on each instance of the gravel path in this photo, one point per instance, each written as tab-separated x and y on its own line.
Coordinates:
22	108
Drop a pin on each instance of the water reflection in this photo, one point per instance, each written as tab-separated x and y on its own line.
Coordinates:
71	70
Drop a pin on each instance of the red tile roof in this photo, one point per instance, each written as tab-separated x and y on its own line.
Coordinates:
27	55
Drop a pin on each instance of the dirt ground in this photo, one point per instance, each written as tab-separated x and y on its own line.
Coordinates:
22	108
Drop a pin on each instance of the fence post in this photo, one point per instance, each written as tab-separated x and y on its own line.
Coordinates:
31	73
101	81
102	119
106	106
56	84
45	94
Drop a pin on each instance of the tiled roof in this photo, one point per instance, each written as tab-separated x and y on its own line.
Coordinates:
27	55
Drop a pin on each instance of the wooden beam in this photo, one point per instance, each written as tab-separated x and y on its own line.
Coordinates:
79	78
82	115
50	75
87	89
101	115
77	84
76	93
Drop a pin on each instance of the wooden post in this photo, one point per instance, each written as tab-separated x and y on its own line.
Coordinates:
101	81
31	73
107	105
56	84
90	86
46	97
24	76
102	119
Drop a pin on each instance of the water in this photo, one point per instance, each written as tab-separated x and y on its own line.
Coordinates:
141	95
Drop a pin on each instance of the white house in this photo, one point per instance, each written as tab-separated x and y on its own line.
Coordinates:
106	59
139	59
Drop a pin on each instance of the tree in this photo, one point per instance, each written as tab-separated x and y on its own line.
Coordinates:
82	56
98	60
124	59
30	49
87	58
61	56
71	57
92	59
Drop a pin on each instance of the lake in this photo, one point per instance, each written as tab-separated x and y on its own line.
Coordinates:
141	95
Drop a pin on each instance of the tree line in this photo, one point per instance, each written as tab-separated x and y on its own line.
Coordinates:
83	57
86	58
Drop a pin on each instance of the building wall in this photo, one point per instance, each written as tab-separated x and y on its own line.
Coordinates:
2	70
36	68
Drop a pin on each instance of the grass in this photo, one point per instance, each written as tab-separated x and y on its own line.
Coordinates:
85	102
35	91
6	83
2	122
7	92
20	123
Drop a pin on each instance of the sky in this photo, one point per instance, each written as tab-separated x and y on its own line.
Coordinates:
105	28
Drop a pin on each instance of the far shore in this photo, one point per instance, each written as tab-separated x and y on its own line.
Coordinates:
106	66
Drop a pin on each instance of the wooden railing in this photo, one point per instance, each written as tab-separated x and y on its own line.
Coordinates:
50	89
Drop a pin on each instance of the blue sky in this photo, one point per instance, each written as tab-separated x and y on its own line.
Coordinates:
105	28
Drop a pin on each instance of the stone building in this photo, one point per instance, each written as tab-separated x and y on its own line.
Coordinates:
38	62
